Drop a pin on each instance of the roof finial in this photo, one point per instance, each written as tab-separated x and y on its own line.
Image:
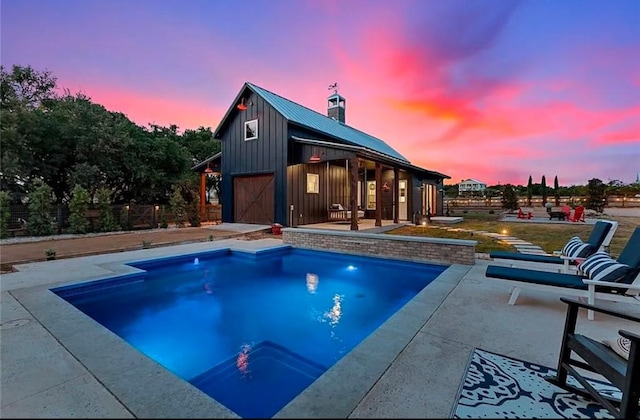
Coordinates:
334	86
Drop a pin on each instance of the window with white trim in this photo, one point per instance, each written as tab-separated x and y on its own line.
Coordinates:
313	183
251	130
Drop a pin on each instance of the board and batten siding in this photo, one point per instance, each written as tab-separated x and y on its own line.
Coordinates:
308	208
266	154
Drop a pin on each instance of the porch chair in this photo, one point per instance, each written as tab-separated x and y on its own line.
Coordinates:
578	215
599	276
595	357
523	215
337	212
598	240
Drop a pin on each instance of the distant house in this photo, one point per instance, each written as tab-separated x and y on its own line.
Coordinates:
282	162
471	186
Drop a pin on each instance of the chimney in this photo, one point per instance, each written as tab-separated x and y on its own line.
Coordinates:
336	107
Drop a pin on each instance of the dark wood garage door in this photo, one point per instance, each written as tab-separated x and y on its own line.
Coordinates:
253	199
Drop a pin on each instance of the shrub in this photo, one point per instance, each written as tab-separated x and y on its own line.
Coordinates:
163	218
492	211
509	198
40	222
5	213
106	221
78	222
178	207
194	212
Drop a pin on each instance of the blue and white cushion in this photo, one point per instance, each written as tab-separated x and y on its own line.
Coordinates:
600	266
575	248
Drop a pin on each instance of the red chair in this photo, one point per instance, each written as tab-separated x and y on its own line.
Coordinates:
523	215
578	214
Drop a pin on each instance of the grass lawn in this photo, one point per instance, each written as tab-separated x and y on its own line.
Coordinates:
548	236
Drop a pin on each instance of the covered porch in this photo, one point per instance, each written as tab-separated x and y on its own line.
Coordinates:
210	174
379	187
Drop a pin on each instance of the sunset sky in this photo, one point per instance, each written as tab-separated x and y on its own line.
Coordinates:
491	90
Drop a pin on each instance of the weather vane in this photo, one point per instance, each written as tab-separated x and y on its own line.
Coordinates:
334	86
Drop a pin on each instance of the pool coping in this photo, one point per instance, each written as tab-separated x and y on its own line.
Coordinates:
146	389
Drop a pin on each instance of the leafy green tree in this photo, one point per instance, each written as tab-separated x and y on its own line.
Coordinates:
178	207
106	220
78	222
509	198
22	90
556	190
543	186
529	191
596	195
200	144
449	190
40	222
5	213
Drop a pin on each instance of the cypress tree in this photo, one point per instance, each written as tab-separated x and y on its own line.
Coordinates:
529	191
556	191
544	190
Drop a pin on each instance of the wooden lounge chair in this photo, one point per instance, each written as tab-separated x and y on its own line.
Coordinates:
623	289
578	215
602	360
523	215
599	239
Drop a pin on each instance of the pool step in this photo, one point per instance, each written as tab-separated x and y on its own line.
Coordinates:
259	381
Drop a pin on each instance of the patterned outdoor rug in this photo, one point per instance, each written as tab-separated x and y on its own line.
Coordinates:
496	386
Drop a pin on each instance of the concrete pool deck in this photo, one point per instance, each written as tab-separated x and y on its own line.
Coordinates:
57	362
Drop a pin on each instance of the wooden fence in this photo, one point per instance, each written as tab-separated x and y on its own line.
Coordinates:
126	216
536	201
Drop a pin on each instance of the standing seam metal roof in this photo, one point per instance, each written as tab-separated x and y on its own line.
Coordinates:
314	120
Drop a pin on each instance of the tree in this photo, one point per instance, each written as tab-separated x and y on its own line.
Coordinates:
529	191
509	198
40	221
78	222
22	90
200	144
178	207
106	220
543	186
596	195
5	213
556	190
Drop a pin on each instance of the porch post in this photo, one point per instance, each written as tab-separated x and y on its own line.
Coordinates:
203	197
353	198
378	194
396	193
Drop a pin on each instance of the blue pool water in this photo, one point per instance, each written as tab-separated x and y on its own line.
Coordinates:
251	330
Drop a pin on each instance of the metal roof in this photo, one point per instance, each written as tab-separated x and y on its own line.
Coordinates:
372	154
309	118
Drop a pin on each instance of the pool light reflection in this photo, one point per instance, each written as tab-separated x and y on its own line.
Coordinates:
312	282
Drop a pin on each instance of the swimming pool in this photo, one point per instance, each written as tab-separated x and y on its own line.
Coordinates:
251	331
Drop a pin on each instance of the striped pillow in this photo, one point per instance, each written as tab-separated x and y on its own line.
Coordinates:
600	266
575	248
